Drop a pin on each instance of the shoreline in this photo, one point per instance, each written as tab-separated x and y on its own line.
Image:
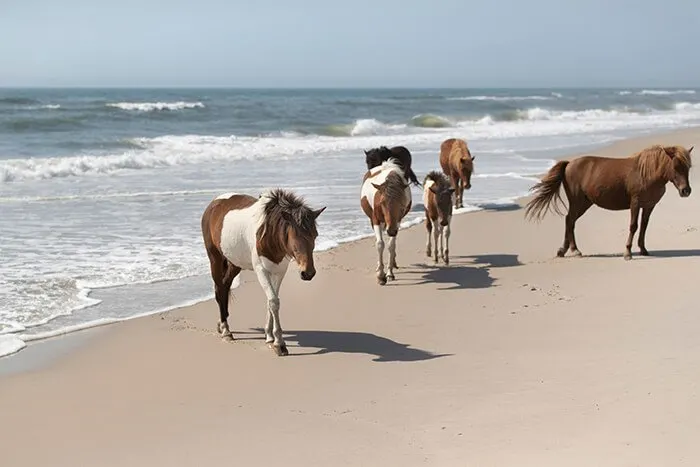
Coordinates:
515	203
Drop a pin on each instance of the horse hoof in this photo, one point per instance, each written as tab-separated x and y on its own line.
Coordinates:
561	252
280	350
447	261
391	277
577	253
381	280
627	256
427	253
644	252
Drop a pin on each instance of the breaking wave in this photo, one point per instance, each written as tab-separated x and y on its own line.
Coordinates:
554	95
155	106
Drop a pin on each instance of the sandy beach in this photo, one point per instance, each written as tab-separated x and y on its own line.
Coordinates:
508	357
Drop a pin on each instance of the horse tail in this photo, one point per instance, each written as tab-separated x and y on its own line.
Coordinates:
547	193
412	177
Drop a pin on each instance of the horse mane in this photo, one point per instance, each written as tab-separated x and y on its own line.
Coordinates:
394	187
654	161
283	209
374	157
439	179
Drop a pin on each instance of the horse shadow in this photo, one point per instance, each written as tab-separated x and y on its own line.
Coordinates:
383	349
652	254
494	260
455	277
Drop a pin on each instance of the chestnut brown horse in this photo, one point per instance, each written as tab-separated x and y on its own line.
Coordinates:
437	200
458	164
385	199
375	157
258	234
636	183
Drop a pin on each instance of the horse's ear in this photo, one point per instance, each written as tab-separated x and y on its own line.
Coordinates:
473	158
378	187
670	151
318	212
433	188
366	153
691	149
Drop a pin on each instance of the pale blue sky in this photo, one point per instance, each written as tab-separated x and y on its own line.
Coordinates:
384	43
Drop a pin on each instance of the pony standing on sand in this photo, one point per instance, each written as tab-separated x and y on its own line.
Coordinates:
375	157
437	200
258	234
458	164
385	199
634	183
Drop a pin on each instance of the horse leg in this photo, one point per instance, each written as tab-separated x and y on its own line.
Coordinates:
436	235
222	273
641	241
429	228
446	251
270	283
634	217
455	185
381	276
392	257
580	209
276	281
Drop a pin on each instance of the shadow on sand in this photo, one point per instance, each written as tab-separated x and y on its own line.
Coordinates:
383	349
652	254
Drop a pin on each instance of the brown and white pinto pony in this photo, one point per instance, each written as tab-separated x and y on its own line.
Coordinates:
258	234
458	164
636	183
437	200
385	199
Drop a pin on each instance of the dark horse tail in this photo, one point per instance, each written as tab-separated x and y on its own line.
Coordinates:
546	192
412	177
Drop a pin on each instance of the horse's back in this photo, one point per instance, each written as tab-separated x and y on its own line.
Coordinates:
445	150
216	211
605	181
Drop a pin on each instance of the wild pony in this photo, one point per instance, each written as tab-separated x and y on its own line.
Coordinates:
258	234
437	199
385	199
375	157
458	164
634	183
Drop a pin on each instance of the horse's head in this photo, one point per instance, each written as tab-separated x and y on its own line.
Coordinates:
392	201
466	165
680	168
443	197
301	236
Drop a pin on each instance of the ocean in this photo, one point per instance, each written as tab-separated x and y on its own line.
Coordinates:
101	190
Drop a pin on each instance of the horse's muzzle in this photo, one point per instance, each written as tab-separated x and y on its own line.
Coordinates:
308	275
444	223
685	192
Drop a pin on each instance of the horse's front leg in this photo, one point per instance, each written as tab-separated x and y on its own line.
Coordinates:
437	240
270	282
381	276
634	217
392	257
429	228
641	241
446	251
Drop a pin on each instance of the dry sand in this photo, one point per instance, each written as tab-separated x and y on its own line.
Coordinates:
508	357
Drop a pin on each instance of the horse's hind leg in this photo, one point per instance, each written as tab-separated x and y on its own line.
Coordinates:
641	241
392	257
222	273
580	209
634	218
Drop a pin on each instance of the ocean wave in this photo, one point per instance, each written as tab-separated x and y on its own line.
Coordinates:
430	121
687	106
554	95
17	101
153	106
45	124
661	92
361	127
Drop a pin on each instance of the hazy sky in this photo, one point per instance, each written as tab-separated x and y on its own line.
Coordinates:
291	43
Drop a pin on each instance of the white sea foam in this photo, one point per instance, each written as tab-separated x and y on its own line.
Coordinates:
171	150
662	92
9	344
151	106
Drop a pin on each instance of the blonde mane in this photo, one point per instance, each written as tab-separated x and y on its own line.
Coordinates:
654	162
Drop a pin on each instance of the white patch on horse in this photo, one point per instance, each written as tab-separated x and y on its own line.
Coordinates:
426	191
368	190
227	195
